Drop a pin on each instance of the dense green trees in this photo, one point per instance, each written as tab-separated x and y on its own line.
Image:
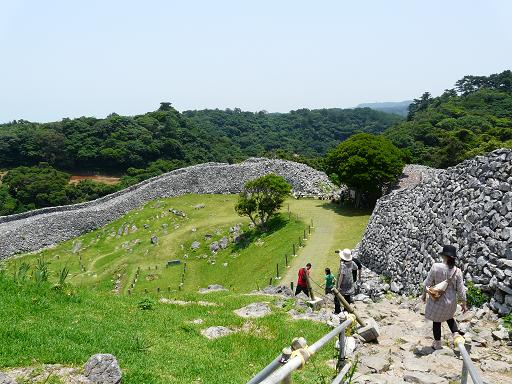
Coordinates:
262	198
367	164
25	188
117	143
472	119
306	133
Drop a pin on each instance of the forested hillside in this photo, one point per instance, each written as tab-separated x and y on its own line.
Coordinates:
117	143
309	133
473	118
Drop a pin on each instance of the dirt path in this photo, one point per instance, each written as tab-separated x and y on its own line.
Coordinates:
334	228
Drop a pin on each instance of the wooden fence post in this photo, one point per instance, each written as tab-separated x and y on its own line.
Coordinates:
277	270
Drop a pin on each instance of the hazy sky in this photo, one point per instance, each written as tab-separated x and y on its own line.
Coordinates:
84	57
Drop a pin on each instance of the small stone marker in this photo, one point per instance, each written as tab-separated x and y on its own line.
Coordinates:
103	369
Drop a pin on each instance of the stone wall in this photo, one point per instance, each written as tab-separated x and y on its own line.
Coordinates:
469	206
44	227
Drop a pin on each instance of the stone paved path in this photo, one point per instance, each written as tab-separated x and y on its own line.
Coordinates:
403	353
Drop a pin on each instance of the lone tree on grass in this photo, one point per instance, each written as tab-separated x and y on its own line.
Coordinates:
366	163
262	198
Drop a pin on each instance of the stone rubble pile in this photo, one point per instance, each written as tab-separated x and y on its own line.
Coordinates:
48	226
469	206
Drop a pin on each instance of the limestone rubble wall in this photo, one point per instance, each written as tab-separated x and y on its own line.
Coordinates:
41	228
469	206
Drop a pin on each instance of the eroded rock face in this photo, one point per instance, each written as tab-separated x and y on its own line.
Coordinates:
103	369
469	206
48	226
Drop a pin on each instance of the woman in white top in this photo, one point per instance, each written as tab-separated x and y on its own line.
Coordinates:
443	309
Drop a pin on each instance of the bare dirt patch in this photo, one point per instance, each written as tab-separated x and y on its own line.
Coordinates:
111	180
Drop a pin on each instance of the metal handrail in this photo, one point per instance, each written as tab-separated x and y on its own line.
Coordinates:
273	374
467	365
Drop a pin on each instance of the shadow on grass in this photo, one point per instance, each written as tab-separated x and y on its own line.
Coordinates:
345	210
273	225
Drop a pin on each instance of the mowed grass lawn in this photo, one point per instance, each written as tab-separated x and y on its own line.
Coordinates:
96	259
42	326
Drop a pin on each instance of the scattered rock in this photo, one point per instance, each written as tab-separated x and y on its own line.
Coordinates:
103	368
195	245
4	379
395	287
280	290
154	240
377	363
212	288
223	243
495	366
501	334
216	332
415	364
214	247
423	378
254	310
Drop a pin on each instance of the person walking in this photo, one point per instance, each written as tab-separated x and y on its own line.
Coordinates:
302	282
345	283
442	285
329	281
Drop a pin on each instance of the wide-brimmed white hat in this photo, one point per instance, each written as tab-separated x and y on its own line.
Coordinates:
346	255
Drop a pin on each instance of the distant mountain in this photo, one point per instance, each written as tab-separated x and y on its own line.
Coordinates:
396	107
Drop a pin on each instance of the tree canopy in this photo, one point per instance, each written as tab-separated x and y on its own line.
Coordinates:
367	164
117	143
262	198
27	188
473	118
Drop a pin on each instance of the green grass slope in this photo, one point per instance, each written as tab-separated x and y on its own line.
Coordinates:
115	252
163	344
160	345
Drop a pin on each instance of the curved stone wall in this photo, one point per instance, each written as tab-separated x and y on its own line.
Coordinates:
469	206
44	227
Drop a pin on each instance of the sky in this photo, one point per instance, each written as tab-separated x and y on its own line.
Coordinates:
91	58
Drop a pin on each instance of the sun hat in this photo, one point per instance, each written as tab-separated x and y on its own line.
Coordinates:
346	255
449	250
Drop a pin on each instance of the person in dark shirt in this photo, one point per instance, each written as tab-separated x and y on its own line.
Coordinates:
357	273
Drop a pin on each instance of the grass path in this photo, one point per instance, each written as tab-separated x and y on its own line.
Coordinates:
334	228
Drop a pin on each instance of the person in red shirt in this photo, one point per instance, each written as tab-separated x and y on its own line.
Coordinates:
302	283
